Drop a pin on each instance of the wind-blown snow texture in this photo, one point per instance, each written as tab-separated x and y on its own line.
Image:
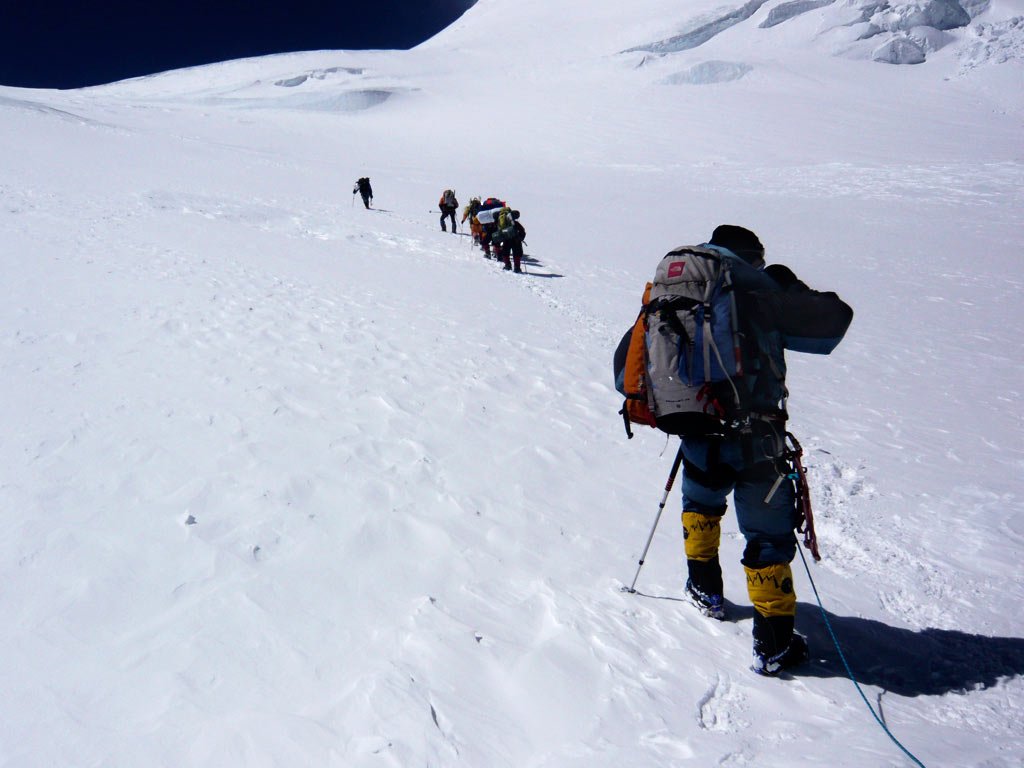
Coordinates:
287	482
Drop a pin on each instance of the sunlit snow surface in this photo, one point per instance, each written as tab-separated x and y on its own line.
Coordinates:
287	482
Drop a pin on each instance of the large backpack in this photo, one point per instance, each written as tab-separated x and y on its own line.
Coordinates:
448	199
489	210
685	377
507	221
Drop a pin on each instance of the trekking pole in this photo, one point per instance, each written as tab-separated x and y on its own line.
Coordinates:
668	487
353	199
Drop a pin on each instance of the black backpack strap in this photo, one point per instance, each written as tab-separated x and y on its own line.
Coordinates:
625	421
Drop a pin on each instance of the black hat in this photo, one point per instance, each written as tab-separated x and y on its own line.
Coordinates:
740	241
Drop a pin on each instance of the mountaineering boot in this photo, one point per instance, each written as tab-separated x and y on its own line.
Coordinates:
701	536
711	605
776	645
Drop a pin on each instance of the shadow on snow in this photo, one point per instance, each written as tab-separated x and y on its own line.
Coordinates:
927	662
907	662
530	261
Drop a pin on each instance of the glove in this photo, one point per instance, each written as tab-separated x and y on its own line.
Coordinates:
785	277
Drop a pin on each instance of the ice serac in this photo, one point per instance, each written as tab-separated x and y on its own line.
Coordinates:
938	14
791	10
914	29
899	50
702	34
902	31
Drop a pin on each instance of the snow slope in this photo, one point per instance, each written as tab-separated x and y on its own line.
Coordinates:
288	482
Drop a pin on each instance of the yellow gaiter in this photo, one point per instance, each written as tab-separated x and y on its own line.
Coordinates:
701	534
771	589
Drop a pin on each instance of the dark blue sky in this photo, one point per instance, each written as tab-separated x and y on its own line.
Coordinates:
70	43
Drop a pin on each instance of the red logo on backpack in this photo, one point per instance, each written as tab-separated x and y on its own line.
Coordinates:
675	269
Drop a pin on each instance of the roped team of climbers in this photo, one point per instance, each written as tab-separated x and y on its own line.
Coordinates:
501	235
494	226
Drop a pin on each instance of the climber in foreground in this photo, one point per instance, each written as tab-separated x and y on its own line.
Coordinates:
710	350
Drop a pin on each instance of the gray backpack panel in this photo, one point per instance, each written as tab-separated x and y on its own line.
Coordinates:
691	336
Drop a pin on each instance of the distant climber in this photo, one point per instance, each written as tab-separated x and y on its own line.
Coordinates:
487	216
448	205
362	186
469	212
508	238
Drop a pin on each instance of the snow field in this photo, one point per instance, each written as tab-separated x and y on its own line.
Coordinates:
289	482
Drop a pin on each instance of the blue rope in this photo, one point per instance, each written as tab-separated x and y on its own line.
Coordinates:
849	672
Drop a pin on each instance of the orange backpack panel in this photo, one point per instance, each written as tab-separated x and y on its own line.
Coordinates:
636	409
